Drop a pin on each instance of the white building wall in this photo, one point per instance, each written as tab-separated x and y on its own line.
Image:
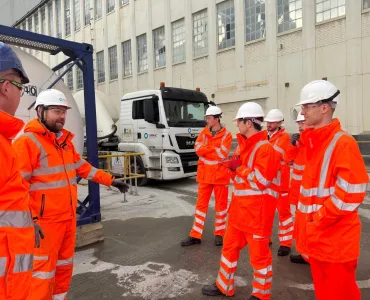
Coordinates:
270	71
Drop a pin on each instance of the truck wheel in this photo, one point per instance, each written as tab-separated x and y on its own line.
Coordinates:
140	169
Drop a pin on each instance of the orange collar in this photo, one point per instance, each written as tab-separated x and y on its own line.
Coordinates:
9	125
246	143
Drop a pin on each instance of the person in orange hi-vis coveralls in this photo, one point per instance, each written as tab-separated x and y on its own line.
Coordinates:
17	236
50	164
287	152
212	146
333	187
296	179
251	214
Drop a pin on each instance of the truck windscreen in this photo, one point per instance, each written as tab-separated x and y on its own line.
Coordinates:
180	113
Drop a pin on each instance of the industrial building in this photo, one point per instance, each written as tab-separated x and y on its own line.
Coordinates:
233	50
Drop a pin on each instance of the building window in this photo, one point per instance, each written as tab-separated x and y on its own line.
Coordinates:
36	22
142	53
127	58
112	56
51	21
98	9
80	80
100	66
43	21
77	15
110	6
123	2
87	12
159	47
226	24
24	25
366	4
70	78
255	24
29	23
68	17
289	15
200	33
326	9
178	41
59	18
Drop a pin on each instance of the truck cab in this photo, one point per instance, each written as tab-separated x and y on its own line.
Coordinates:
164	125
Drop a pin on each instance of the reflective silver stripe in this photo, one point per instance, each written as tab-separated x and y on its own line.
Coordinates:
271	193
218	150
256	147
80	163
254	193
23	263
259	291
202	214
238	179
220	227
229	276
343	205
225	149
43	154
315	192
351	188
264	271
64	262
296	177
53	170
278	149
73	180
92	173
229	264
305	256
199	221
197	147
16	219
218	221
307	209
196	228
2	266
261	179
59	296
253	185
258	237
276	180
221	213
290	229
284	194
43	275
298	167
286	222
224	286
208	162
26	175
262	281
48	185
285	238
40	257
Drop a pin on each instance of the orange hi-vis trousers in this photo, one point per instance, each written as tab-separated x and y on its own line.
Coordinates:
53	261
201	208
286	226
260	259
335	281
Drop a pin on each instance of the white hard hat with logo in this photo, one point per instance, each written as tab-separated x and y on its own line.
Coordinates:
300	117
213	111
274	115
51	97
319	90
249	110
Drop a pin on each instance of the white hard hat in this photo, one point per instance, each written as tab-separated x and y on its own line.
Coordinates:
274	115
319	90
300	117
213	111
250	110
52	97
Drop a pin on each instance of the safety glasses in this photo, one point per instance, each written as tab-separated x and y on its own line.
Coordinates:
16	84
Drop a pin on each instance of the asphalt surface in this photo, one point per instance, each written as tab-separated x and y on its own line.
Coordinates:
141	257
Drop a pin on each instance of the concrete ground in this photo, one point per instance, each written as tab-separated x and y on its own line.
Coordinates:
141	257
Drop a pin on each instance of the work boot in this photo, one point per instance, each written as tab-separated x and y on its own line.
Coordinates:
298	259
283	251
211	290
254	298
218	240
190	241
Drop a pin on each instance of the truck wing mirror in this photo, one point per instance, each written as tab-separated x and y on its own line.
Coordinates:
151	110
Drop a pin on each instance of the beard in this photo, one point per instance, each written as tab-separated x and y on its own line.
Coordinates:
55	126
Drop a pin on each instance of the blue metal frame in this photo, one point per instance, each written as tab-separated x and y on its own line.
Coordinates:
80	54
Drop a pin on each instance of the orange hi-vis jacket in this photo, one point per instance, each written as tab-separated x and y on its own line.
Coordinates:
212	151
256	184
49	167
281	142
297	172
333	187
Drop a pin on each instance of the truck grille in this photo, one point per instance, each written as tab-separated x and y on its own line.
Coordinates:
187	158
186	142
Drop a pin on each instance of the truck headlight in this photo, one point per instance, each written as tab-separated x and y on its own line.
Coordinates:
172	160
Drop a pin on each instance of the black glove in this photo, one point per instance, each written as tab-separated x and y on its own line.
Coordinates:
122	186
38	234
294	138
